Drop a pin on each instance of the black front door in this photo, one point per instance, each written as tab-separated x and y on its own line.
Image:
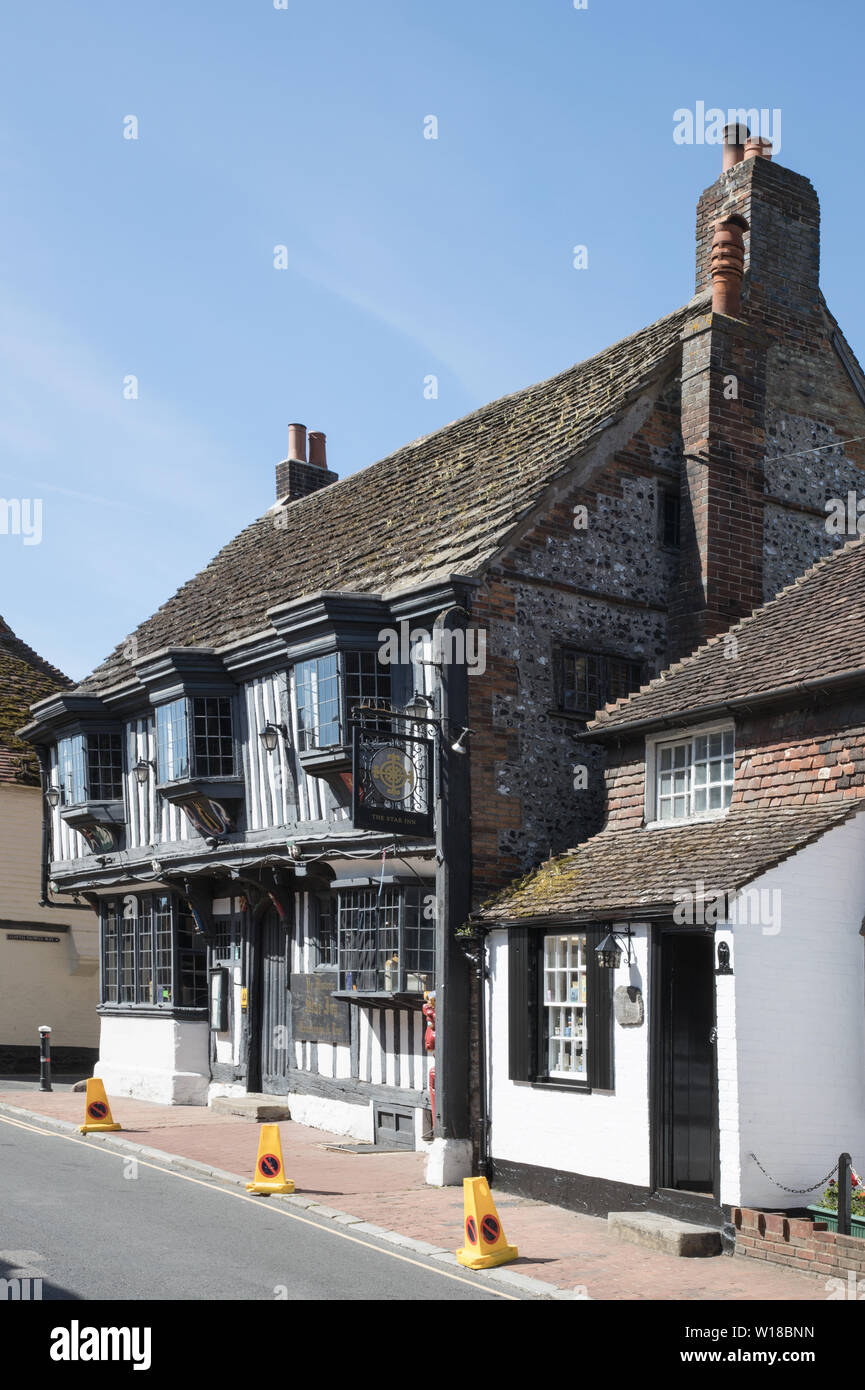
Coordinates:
274	1003
686	1110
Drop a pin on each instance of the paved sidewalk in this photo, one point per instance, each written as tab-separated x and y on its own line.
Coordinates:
559	1247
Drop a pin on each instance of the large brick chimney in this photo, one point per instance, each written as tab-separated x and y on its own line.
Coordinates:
758	251
297	476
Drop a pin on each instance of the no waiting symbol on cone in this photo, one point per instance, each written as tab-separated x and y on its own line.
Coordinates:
471	1231
268	1165
97	1110
490	1229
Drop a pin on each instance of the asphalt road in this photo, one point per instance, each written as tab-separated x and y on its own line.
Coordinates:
93	1224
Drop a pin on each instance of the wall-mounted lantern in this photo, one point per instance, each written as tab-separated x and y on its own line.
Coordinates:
270	735
142	770
609	953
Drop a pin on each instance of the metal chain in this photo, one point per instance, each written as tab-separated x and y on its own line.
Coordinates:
797	1190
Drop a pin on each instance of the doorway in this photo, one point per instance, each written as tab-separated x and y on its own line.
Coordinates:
685	1110
274	1003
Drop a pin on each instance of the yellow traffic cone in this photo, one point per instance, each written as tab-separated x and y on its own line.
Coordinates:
97	1111
270	1179
485	1240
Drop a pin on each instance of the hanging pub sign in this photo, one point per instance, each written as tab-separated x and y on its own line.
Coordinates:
391	782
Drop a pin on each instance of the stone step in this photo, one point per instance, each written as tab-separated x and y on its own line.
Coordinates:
262	1109
664	1233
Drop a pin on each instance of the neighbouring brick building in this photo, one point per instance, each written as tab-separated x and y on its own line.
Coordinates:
721	1064
48	951
583	528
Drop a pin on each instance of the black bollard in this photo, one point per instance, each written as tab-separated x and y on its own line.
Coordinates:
45	1058
845	1165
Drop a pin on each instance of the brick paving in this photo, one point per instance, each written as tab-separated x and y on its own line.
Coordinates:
559	1246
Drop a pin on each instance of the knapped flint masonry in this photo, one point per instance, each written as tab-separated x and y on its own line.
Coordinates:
585	528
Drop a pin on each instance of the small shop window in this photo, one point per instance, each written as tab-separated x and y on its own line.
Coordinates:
565	1005
560	1014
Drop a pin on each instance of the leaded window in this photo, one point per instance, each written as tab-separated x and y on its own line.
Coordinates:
328	911
329	689
152	952
694	776
195	738
589	680
386	940
90	768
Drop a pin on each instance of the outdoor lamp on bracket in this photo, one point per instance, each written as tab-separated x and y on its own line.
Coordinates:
420	706
52	796
142	770
270	735
459	744
609	953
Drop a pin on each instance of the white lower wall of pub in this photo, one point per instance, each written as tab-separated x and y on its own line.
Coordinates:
791	1026
599	1134
337	1116
158	1059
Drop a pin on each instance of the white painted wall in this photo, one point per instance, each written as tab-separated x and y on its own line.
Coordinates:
599	1134
157	1059
320	1112
791	1026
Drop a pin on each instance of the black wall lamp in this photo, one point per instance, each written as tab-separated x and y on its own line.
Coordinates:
52	796
609	953
270	735
142	770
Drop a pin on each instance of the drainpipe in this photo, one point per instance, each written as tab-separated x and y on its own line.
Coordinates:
477	954
450	1157
44	782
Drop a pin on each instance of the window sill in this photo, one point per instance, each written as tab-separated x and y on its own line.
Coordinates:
86	812
704	818
379	999
556	1083
182	1011
214	788
322	762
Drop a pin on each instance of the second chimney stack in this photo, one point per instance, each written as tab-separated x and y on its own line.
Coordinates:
297	443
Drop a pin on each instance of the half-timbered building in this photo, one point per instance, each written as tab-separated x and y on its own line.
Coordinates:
285	791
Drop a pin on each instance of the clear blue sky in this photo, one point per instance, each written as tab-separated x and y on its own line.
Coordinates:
303	127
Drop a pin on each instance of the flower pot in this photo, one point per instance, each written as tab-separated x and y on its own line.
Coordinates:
857	1223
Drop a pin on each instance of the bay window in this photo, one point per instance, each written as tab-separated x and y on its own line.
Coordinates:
152	953
386	940
195	738
330	688
90	768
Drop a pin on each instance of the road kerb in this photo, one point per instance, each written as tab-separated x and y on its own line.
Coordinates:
538	1288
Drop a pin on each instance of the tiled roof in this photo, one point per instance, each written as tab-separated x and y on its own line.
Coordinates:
619	872
811	631
440	506
24	678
